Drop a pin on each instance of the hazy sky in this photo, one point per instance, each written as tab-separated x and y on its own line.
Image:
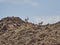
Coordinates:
47	11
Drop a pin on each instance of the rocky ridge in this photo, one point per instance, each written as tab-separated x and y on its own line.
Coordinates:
15	31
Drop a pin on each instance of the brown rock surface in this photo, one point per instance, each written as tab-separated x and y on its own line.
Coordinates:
14	31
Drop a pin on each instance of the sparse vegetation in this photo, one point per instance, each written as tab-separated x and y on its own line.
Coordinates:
26	19
19	32
40	23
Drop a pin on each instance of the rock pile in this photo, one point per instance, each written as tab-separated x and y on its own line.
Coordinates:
14	31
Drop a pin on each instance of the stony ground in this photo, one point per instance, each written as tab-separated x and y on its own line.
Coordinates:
14	31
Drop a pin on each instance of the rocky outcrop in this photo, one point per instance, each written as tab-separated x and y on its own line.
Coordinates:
14	31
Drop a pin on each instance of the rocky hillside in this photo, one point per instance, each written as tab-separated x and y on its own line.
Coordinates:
14	31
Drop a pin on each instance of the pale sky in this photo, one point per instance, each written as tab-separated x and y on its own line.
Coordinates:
47	11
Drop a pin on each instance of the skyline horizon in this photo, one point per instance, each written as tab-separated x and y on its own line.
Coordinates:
29	20
47	11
